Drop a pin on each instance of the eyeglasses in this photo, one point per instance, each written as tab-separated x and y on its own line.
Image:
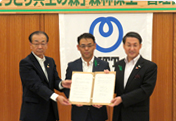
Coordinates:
37	44
88	46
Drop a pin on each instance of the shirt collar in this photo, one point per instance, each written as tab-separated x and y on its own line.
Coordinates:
90	62
134	60
38	58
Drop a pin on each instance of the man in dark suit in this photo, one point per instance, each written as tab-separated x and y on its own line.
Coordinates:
87	63
135	82
39	79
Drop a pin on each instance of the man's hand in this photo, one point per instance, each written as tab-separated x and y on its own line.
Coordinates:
97	106
62	100
106	71
66	83
116	101
79	105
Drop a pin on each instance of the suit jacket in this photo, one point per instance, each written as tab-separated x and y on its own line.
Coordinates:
80	113
135	96
37	90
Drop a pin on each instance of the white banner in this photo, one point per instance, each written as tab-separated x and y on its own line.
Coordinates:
108	30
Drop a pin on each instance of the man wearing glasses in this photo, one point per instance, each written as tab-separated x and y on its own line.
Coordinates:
87	63
39	79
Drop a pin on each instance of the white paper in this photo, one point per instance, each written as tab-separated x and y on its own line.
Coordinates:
103	88
81	87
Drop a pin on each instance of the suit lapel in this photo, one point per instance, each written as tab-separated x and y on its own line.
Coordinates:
79	65
135	70
38	67
47	67
120	74
95	65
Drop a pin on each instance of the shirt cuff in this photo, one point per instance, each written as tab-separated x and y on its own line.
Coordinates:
54	96
60	85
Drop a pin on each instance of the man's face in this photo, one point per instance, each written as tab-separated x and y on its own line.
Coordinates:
86	47
39	44
131	47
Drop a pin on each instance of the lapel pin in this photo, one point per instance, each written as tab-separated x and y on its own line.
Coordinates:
48	65
120	67
137	67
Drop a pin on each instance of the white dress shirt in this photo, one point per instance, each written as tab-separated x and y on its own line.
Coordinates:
129	67
41	62
86	67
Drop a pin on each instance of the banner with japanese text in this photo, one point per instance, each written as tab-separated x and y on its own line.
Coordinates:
108	30
82	6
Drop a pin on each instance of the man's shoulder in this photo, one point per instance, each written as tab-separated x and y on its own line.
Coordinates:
75	61
101	61
49	58
27	58
148	62
31	57
120	61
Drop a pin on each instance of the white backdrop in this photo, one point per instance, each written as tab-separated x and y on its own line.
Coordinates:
73	25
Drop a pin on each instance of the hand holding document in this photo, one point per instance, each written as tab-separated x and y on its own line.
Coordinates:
89	88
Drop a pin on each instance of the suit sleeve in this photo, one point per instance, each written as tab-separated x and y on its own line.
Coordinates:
145	90
68	76
57	80
116	73
107	66
68	72
32	81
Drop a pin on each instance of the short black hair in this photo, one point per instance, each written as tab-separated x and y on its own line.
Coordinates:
132	34
38	32
86	35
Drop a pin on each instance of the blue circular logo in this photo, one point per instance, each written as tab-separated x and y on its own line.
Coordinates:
107	20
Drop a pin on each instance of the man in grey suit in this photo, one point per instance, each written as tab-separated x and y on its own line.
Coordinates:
135	82
39	79
87	63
